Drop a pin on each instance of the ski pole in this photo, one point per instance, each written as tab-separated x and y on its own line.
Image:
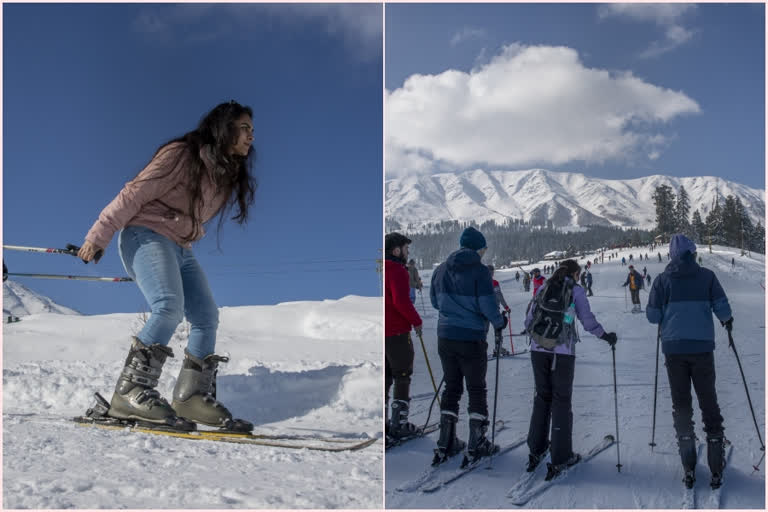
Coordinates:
511	336
655	388
71	250
616	407
432	403
733	346
498	340
75	278
429	367
626	304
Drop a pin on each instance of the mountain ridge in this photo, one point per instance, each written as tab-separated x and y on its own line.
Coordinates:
568	199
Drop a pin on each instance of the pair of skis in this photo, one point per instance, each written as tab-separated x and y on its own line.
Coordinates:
435	477
712	500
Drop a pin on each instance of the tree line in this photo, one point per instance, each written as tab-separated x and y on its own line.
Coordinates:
727	223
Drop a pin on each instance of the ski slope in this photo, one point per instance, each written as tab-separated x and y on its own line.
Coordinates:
299	368
647	479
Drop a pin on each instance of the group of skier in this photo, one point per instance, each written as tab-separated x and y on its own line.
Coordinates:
468	299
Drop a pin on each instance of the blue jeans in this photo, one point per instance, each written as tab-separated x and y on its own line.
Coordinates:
413	295
174	285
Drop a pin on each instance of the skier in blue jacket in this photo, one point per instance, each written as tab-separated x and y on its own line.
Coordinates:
682	300
462	291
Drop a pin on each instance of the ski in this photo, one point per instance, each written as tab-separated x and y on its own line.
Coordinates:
460	472
527	479
434	469
524	495
713	501
508	356
325	444
421	432
689	494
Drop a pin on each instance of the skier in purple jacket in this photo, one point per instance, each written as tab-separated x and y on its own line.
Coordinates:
553	372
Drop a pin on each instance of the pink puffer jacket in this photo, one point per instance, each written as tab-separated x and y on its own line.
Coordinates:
161	204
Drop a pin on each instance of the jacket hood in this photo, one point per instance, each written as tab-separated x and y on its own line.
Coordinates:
681	267
462	258
679	245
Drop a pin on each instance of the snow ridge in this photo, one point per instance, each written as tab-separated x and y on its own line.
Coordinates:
567	199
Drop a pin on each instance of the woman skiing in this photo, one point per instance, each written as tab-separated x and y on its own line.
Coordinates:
188	181
553	368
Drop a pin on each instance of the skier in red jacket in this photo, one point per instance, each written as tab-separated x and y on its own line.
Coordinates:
538	280
399	316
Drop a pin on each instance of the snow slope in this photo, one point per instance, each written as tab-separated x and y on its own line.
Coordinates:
18	300
299	368
647	480
567	199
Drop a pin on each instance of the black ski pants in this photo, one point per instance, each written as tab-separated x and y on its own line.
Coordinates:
683	369
464	361
398	351
589	290
553	377
635	296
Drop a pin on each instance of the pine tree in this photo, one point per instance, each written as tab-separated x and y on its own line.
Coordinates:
698	228
663	199
757	241
682	211
714	224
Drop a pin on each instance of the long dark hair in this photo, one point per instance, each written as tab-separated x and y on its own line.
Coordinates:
566	269
218	130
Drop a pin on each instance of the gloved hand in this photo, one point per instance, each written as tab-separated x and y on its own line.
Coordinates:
506	308
728	324
610	338
418	329
504	323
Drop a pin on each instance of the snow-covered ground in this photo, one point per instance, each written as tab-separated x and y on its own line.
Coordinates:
648	479
298	368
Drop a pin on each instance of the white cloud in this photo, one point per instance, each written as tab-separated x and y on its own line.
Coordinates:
466	34
530	105
666	16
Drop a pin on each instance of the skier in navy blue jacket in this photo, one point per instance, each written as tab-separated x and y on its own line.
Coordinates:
462	291
682	300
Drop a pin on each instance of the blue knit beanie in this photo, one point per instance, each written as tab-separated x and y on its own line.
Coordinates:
472	239
679	245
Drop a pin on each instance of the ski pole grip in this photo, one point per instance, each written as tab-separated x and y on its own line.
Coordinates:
74	249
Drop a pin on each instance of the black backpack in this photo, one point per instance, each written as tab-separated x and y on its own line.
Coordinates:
548	327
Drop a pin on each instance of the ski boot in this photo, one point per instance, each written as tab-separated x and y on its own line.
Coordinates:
553	470
535	460
135	396
194	396
478	446
687	447
399	426
716	459
448	444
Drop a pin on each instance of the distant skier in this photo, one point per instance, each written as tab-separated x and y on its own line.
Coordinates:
645	272
553	360
538	280
648	279
635	282
159	213
623	261
733	263
500	302
462	291
630	257
527	281
399	317
682	300
414	281
517	276
588	280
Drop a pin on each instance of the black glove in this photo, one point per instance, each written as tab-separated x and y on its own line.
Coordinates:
504	323
728	324
610	338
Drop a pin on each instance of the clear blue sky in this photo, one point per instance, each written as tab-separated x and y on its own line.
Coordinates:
91	90
714	54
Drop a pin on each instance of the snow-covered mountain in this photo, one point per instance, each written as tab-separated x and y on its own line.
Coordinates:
567	199
18	300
